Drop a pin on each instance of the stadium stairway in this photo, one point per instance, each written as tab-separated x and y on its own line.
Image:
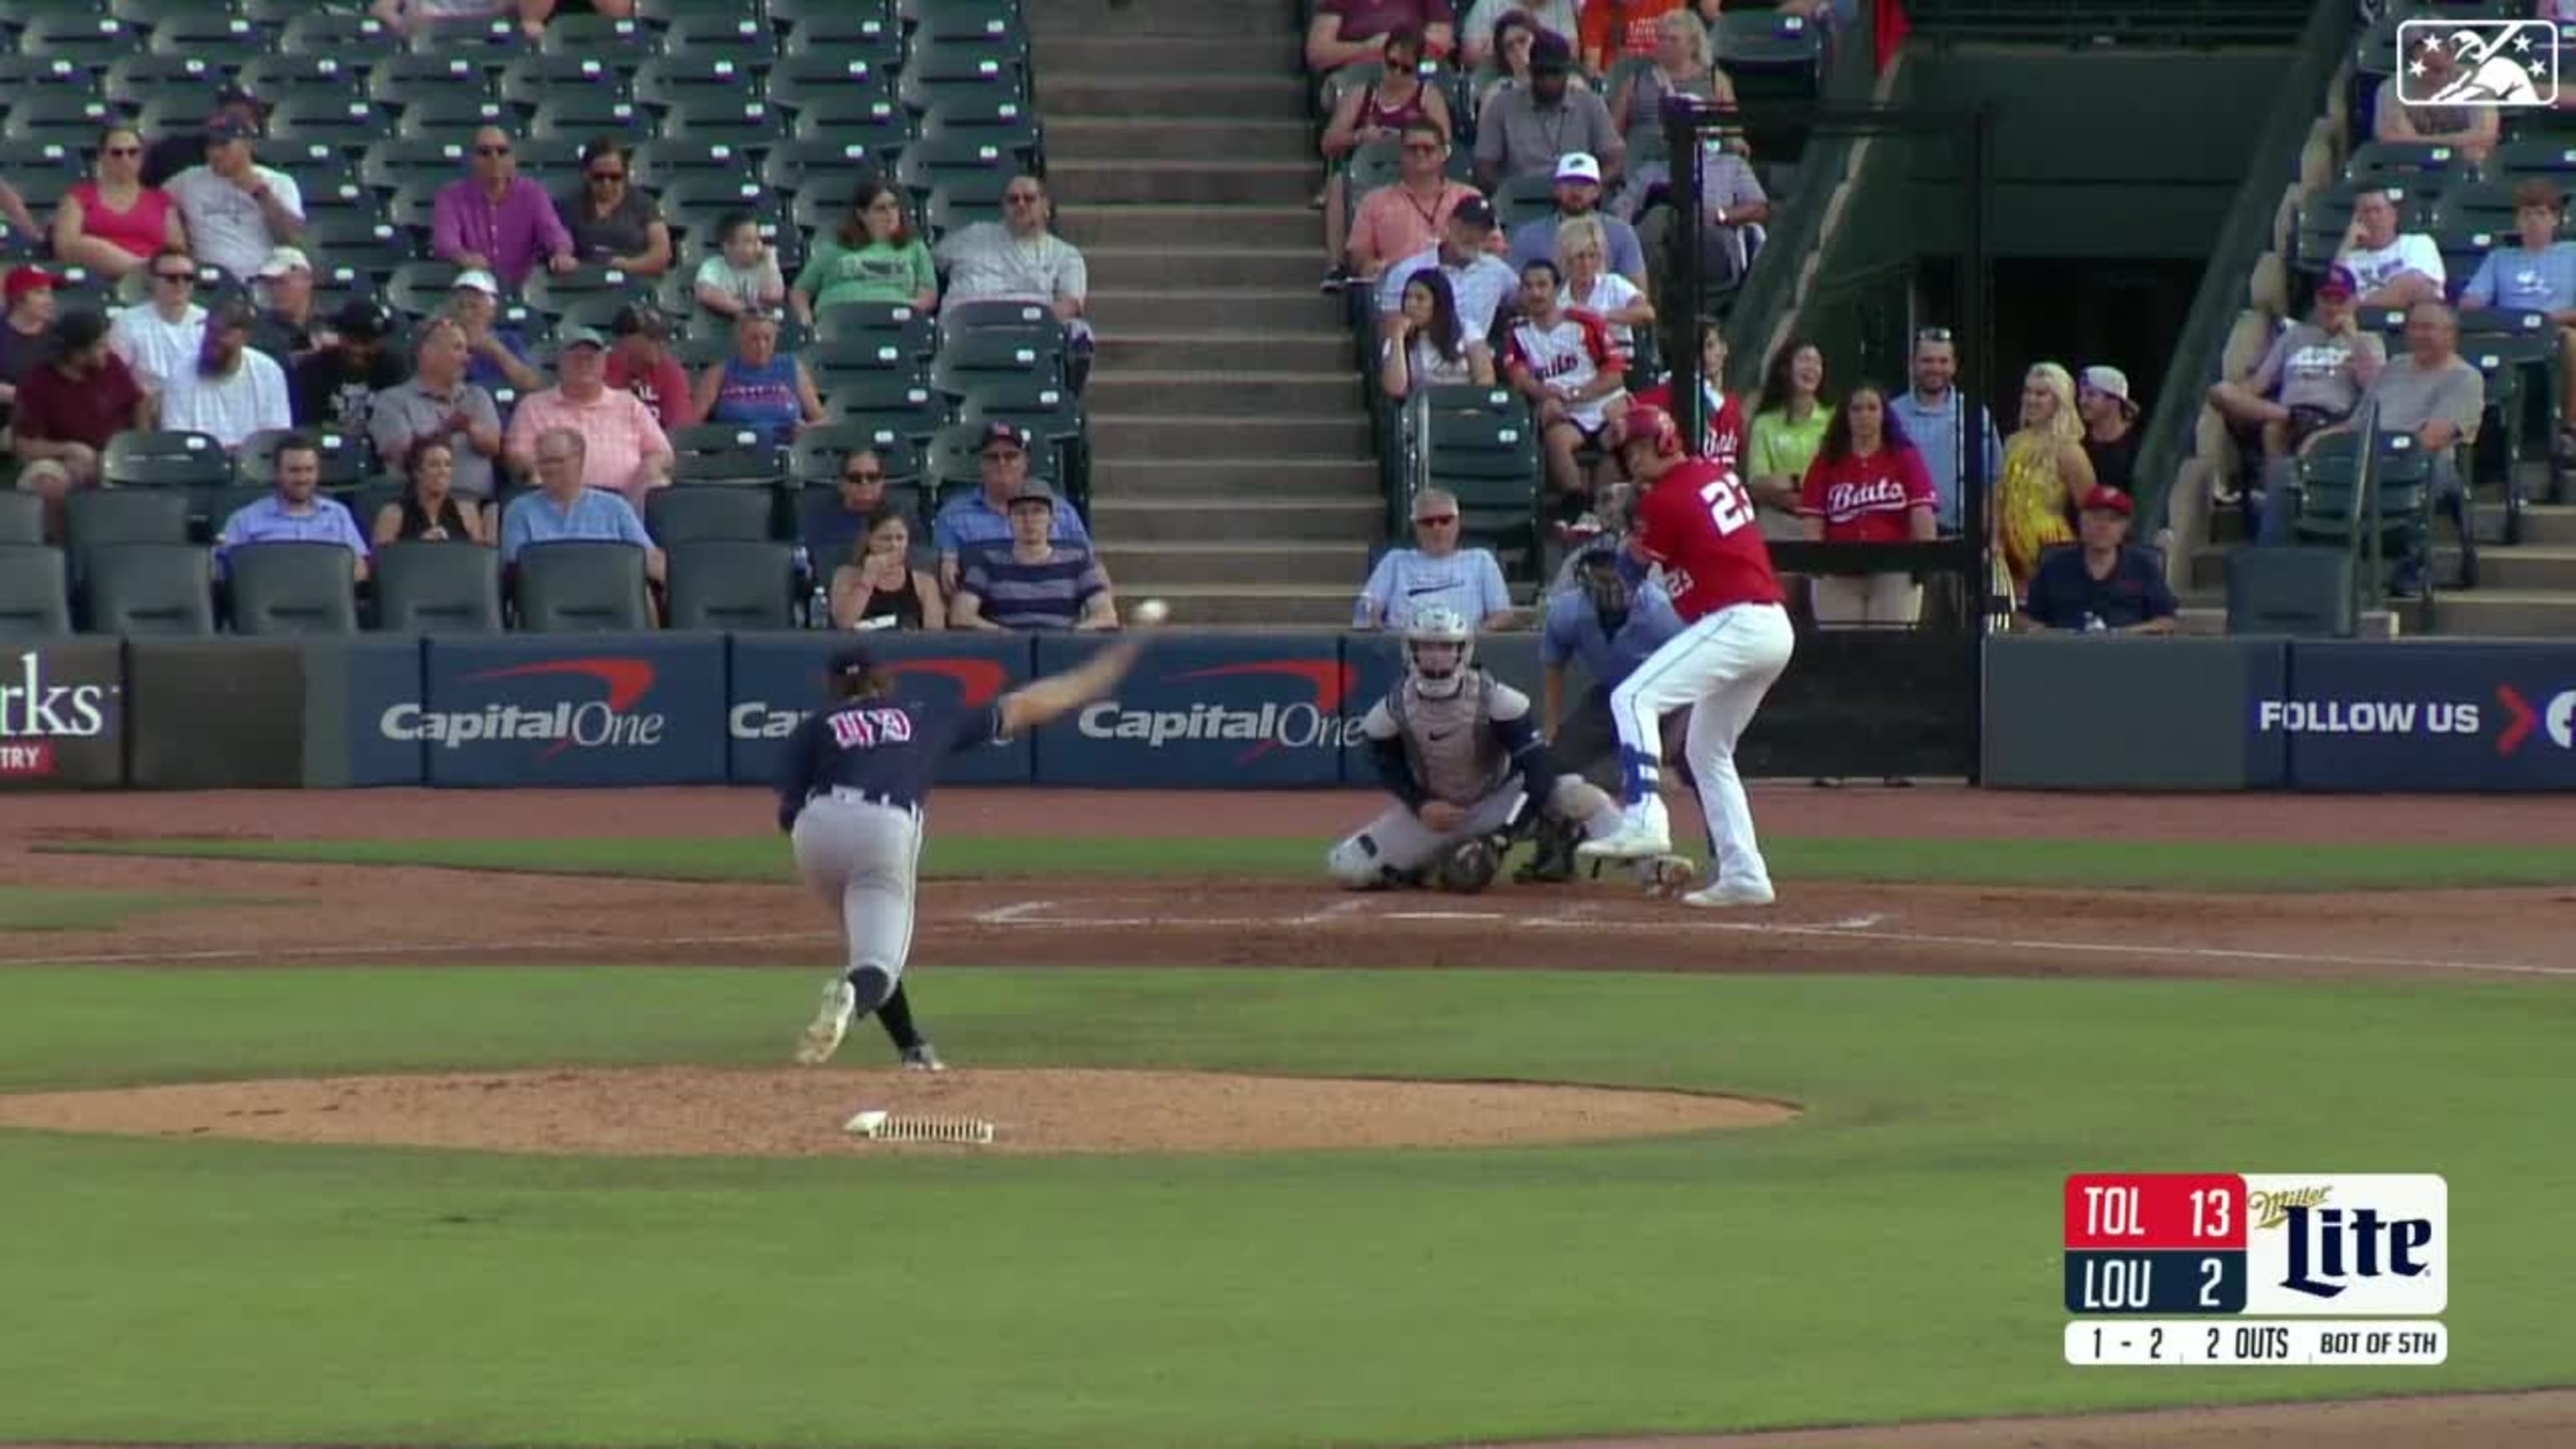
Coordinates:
1232	467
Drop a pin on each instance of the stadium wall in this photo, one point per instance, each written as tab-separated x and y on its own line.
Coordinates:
1218	711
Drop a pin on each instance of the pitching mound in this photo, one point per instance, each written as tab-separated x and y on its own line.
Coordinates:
691	1111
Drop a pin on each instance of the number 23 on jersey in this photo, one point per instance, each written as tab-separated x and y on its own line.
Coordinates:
1729	506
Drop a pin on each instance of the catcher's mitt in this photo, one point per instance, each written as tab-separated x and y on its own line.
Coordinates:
1468	867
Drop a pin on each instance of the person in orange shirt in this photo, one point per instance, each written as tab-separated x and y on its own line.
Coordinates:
1613	29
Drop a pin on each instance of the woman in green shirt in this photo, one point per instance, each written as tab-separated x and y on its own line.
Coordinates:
874	257
1789	422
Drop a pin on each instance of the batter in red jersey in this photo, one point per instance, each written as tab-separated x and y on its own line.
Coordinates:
1695	520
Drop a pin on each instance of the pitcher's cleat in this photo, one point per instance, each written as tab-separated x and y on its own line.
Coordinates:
831	1022
1666	877
923	1058
1720	897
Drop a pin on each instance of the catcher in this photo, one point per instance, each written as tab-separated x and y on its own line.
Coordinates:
1462	755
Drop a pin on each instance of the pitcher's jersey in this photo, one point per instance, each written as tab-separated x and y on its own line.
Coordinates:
884	747
1460	748
1698	523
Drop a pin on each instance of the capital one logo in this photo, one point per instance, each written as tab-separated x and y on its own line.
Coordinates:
611	722
2557	718
979	682
1314	722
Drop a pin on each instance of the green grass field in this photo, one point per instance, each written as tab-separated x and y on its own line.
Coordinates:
29	908
1893	1254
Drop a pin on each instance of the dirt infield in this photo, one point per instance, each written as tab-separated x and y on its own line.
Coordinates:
448	917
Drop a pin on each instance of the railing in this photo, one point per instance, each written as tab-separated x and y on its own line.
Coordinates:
2093	23
2271	162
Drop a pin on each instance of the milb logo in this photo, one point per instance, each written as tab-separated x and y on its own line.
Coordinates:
2346	1245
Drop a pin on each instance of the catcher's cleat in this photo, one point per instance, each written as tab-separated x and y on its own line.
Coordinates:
1666	877
1551	859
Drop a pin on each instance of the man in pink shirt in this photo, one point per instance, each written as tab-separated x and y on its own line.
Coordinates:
495	220
1406	218
625	451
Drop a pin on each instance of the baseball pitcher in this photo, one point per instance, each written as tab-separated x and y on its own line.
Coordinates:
1462	755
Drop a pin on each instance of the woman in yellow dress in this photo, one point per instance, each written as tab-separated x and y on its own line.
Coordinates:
2045	470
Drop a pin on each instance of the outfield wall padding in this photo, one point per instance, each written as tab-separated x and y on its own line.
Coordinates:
217	714
2080	712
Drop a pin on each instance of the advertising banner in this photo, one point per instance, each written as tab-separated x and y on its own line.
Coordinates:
777	679
2364	716
349	683
216	714
592	709
62	715
1376	663
1251	712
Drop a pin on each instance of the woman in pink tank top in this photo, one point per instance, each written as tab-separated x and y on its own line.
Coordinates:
113	223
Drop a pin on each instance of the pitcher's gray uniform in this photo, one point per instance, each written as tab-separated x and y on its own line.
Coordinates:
1451	735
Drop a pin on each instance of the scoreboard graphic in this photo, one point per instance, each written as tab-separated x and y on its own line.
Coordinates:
2355	1268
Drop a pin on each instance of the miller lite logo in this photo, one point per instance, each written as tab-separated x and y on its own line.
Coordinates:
2365	1244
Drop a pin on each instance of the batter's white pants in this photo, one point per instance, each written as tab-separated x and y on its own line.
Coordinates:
1721	667
1397	841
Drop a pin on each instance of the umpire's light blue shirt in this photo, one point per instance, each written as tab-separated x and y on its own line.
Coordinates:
595	514
1407	581
1935	429
1573	631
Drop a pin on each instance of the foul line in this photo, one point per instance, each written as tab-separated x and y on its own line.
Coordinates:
1011	914
443	948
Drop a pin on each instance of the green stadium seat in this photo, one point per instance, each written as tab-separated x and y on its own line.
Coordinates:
2399	161
490	43
725	455
690	515
2469	202
579	116
850	33
2305	592
94	39
580	586
751	124
732	585
402	79
290	588
1489	458
68	116
913	332
438	588
138	79
1030	403
144	458
922	91
148	589
34	600
970	357
2547	156
1771	55
216	38
548	294
695	203
2332	507
533	80
454	116
671	160
822	448
799	81
406	161
23	74
343	125
328	33
999	22
989	121
673	80
746	39
623	41
22	518
345	463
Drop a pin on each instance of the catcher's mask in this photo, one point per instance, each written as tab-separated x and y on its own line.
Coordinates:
1438	648
1599	575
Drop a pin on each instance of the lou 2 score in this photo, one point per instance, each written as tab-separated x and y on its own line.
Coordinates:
2161	1243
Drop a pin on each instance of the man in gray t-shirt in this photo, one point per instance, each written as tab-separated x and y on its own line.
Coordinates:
2435	395
1524	129
2311	379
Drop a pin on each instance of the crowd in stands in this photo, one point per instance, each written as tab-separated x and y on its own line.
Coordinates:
532	347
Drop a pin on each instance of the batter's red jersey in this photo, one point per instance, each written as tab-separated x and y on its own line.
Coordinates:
1698	522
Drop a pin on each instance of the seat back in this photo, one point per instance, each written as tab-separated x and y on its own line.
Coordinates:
2302	591
291	588
582	585
675	516
162	589
22	518
732	584
94	518
438	588
34	603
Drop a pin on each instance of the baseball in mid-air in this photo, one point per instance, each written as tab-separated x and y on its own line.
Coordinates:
1150	612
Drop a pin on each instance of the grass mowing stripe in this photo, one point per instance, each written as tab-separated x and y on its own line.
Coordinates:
1894	1254
49	908
2253	866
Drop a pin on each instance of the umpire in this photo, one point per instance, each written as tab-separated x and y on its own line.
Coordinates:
1610	627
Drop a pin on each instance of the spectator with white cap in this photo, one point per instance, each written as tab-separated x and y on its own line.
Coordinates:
1578	194
161	336
624	449
1524	129
237	211
286	328
2110	426
336	386
496	356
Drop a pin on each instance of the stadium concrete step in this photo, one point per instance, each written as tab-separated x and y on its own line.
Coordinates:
1116	50
1192	100
1280	518
1192	226
2542	523
2491	613
1281	181
1350	476
1219	140
1216	351
1220	394
1313	606
1280	264
1235	18
2530	567
1208	439
1165	565
1250	311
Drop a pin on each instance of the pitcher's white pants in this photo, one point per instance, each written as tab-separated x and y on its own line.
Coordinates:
1721	667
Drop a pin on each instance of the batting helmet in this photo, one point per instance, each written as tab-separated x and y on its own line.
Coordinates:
1649	425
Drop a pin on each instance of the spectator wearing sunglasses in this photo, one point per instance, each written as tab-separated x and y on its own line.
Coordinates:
1020	260
237	211
1436	573
612	223
833	524
495	220
162	336
1407	217
113	224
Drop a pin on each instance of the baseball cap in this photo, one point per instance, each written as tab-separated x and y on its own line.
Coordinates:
2339	282
79	330
283	260
2110	382
2107	499
230	128
1006	434
1032	491
852	659
1550	52
637	319
1475	211
239	93
1578	166
477	279
572	337
23	280
361	319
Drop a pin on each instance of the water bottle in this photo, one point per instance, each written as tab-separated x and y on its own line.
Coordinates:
2093	624
818	604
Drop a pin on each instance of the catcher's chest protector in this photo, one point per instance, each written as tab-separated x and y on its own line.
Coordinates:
1450	742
